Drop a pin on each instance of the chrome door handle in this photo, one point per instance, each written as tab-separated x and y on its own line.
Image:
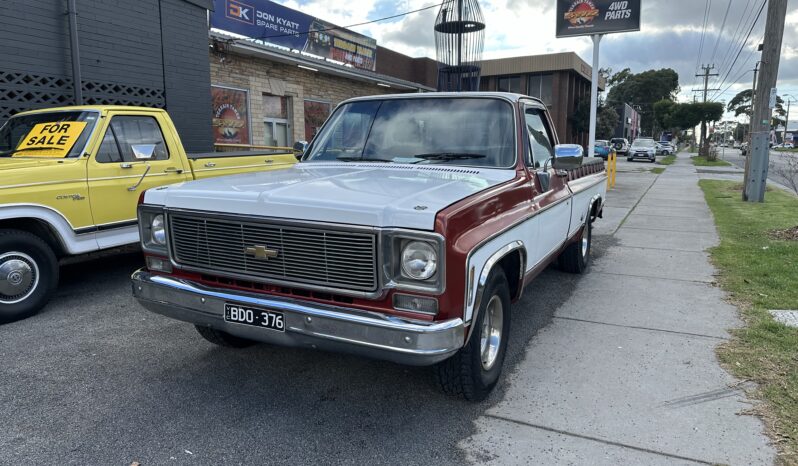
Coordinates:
173	170
269	161
210	164
136	186
125	165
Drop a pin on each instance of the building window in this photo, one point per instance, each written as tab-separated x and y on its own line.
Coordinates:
275	120
510	84
316	113
541	86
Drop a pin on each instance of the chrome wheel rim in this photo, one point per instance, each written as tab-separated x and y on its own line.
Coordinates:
19	276
490	338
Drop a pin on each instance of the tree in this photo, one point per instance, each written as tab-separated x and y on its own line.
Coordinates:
663	113
741	105
686	116
643	89
606	121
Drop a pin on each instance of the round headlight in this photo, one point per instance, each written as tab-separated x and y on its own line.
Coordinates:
158	230
419	260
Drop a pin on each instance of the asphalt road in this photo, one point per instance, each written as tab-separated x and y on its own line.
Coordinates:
95	379
777	160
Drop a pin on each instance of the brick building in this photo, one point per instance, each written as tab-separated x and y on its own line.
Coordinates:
561	80
290	95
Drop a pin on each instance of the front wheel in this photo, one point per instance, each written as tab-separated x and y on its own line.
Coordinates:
28	274
474	370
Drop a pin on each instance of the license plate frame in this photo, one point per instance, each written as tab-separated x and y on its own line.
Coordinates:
254	317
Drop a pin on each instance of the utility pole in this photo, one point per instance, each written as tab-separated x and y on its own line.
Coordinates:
706	75
750	130
754	190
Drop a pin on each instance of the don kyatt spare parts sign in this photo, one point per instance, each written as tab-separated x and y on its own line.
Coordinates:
588	17
275	24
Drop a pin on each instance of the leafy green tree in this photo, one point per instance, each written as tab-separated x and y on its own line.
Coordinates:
643	89
740	104
663	113
606	121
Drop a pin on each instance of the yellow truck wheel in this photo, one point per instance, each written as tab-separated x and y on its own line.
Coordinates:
28	274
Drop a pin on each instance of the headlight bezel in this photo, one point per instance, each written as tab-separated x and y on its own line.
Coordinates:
146	216
394	242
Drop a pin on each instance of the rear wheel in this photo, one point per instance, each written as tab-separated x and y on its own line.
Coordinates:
474	370
218	337
576	256
28	274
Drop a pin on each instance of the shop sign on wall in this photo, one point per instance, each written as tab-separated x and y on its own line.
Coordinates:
230	115
273	23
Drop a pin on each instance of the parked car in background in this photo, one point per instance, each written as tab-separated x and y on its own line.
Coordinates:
621	145
736	145
643	148
665	148
409	227
602	149
784	145
744	149
70	179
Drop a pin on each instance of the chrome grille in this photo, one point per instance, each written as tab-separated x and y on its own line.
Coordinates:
330	258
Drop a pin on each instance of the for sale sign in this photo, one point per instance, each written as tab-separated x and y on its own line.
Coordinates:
588	17
50	139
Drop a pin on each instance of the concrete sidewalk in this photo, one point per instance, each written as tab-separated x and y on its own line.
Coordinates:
626	372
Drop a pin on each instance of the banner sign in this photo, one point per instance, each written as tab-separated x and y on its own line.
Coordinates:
273	23
588	17
230	115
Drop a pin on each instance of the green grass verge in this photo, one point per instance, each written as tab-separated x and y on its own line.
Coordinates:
760	273
667	160
658	170
701	161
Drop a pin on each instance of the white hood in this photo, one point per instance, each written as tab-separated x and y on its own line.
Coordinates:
380	195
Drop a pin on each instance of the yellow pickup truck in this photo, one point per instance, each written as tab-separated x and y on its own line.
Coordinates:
70	180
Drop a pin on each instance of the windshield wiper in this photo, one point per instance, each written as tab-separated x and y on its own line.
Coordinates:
444	156
346	158
7	153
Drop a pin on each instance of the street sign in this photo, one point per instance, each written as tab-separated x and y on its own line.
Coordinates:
772	101
589	17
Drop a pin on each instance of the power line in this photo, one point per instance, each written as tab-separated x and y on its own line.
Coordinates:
334	28
738	33
707	6
722	27
723	81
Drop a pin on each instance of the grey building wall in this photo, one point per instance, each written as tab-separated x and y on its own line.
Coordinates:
147	52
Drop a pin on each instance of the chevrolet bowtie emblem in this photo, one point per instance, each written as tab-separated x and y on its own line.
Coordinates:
261	252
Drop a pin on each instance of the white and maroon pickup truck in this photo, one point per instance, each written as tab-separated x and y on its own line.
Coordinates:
405	233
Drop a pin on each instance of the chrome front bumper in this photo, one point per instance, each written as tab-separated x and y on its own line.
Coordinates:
313	325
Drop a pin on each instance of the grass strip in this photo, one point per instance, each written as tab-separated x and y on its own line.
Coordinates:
658	170
760	272
701	161
667	160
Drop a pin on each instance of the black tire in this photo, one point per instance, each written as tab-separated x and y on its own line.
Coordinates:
629	159
464	374
25	258
576	258
218	337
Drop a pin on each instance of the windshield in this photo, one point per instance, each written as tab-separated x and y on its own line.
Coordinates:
643	143
49	134
459	131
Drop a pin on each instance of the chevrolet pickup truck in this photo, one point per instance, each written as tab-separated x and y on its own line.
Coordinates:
70	179
409	227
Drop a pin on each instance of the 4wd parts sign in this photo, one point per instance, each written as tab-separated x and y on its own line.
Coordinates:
588	17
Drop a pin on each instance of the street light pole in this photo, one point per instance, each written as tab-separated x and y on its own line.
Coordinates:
787	119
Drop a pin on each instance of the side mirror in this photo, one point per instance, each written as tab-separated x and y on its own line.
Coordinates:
567	156
143	151
299	149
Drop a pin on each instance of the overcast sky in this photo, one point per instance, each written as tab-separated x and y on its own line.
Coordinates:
670	36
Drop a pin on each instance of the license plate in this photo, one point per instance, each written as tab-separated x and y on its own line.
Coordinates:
239	314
